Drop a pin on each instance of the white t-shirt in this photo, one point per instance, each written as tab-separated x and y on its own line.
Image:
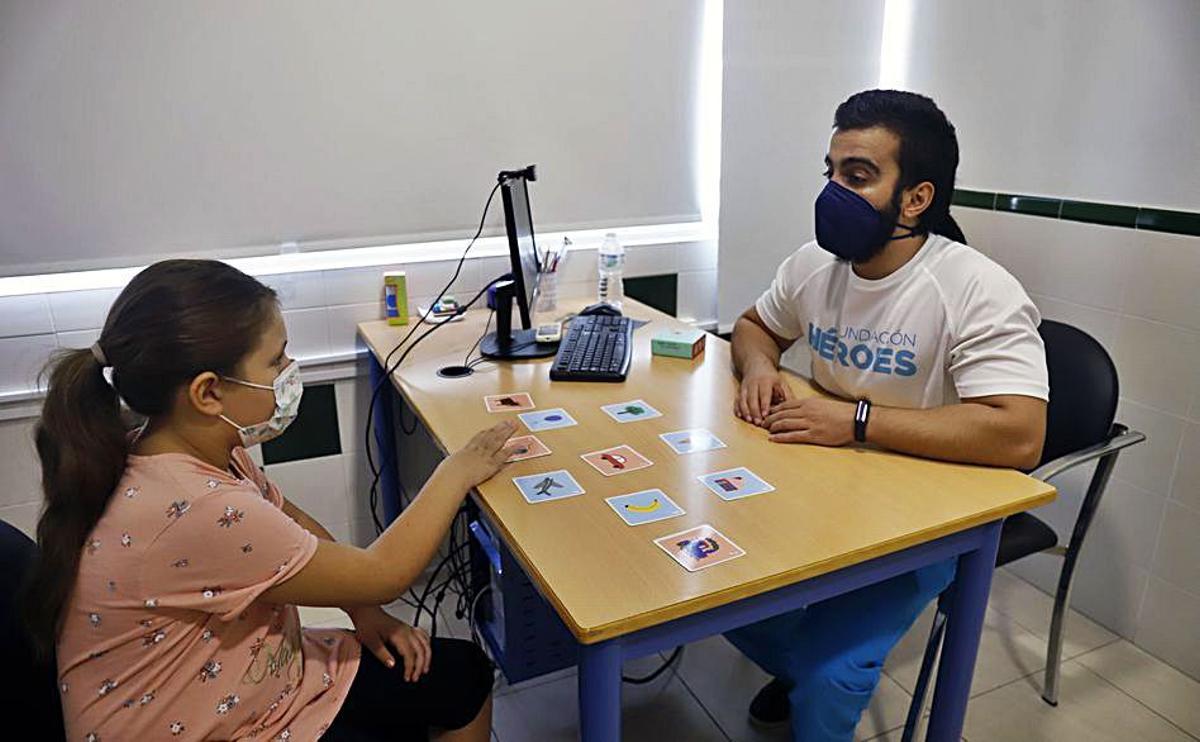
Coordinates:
950	324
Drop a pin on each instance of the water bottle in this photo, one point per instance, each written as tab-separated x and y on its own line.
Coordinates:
611	290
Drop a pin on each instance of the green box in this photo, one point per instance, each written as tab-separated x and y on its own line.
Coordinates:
678	343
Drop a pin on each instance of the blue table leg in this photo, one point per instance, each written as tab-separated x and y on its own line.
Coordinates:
972	583
385	443
600	692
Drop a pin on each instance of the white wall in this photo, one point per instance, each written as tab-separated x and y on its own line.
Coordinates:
787	67
1085	99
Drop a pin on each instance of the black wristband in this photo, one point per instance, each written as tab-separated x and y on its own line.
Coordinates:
862	413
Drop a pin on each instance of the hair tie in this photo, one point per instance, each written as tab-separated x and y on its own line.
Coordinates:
98	354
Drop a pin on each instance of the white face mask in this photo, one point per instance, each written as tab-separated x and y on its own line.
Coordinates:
288	389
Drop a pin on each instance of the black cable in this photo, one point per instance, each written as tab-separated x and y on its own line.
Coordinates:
654	675
387	376
422	602
377	472
404	428
487	326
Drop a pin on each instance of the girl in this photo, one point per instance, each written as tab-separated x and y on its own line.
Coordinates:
171	569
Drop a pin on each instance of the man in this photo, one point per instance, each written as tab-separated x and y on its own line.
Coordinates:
927	348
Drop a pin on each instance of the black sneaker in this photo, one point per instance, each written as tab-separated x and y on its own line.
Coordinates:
770	708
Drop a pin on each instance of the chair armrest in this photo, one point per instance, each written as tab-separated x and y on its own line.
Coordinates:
1124	438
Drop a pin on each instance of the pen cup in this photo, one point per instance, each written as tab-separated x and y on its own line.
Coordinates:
547	297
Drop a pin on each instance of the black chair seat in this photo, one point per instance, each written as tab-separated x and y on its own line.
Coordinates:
1023	534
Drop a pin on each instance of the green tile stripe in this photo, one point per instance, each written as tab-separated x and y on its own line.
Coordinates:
1110	215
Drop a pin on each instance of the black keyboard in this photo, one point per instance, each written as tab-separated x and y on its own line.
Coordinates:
596	347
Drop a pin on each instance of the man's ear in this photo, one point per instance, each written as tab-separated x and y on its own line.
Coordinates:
914	201
204	394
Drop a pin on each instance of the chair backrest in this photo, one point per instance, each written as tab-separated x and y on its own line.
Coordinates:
1083	390
33	686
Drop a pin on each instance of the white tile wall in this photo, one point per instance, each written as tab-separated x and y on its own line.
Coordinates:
297	290
1155	289
1136	293
1168	624
81	310
19	470
22	359
26	315
1150	465
1186	488
343	325
1158	363
1177	558
78	338
697	291
308	333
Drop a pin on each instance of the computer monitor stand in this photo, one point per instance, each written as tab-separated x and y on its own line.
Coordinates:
507	344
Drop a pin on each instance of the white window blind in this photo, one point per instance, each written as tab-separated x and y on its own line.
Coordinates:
133	130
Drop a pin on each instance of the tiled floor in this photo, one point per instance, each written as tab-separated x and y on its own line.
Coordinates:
1110	689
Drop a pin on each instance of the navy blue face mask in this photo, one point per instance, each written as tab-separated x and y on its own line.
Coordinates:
851	228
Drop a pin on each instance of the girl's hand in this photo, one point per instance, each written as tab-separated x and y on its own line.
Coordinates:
483	456
377	630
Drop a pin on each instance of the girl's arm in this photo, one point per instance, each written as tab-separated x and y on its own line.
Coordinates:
306	521
344	575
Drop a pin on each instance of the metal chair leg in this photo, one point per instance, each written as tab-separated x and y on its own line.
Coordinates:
932	647
1062	599
1062	595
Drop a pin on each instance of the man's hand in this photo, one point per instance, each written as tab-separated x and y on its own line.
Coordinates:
376	630
760	389
823	422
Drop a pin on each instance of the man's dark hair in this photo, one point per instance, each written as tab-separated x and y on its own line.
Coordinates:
928	146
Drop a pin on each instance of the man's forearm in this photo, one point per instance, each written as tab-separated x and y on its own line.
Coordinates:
752	348
967	433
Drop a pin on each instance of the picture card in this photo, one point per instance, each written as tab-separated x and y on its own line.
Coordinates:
734	484
692	440
525	447
508	402
627	412
647	506
616	460
699	548
547	419
551	485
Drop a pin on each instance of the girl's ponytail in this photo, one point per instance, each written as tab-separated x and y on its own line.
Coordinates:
82	443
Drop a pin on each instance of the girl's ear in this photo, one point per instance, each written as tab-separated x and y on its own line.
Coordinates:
204	393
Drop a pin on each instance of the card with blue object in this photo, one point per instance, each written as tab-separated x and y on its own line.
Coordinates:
699	548
547	419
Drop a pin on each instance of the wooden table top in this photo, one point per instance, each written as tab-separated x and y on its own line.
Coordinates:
831	508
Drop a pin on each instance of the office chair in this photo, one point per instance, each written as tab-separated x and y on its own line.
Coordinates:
35	690
1079	430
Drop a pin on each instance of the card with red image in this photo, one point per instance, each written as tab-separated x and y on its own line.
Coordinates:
616	460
